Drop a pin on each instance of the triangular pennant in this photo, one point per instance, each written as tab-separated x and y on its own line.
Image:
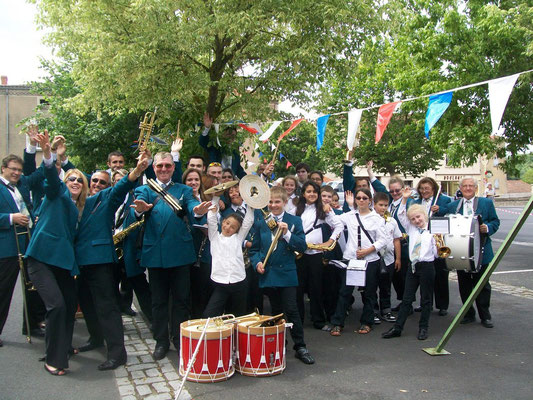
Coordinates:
260	154
293	125
321	123
265	136
438	104
248	128
256	126
354	118
272	147
281	155
217	127
499	92
384	116
288	164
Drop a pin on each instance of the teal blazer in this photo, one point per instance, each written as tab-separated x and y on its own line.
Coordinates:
129	246
485	208
94	240
52	241
442	202
280	270
167	239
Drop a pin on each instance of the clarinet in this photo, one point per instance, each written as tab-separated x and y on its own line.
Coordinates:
200	250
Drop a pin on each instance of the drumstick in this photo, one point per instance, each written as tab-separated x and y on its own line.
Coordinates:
436	199
178	130
275	152
193	358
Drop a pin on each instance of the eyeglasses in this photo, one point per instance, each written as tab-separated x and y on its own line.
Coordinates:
14	169
161	166
361	198
395	190
74	179
100	181
215	164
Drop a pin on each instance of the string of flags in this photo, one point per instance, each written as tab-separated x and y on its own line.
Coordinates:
499	90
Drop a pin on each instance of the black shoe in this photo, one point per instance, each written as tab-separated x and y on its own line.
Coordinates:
111	364
129	311
377	320
422	334
487	323
389	317
418	309
443	312
90	346
468	320
392	332
303	354
397	308
160	352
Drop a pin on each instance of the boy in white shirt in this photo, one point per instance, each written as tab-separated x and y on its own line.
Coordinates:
228	272
422	252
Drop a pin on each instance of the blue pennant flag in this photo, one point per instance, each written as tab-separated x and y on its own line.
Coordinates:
437	106
321	130
260	154
281	155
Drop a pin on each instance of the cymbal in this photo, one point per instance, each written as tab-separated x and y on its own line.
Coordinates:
221	187
254	191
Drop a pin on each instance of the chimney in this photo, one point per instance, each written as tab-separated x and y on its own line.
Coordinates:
4	80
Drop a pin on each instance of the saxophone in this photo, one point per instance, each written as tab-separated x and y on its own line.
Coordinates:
119	237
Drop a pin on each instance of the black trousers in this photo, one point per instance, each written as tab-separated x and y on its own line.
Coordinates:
36	309
144	295
124	290
467	283
254	294
385	280
169	286
9	272
398	278
57	289
232	293
424	276
311	279
283	300
370	293
442	291
98	302
201	288
331	287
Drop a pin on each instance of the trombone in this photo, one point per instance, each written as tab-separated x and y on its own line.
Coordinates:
23	278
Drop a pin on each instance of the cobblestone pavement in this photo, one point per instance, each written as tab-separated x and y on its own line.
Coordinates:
506	289
142	377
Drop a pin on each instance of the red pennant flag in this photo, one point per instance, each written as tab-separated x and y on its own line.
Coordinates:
248	128
293	125
289	164
384	116
265	160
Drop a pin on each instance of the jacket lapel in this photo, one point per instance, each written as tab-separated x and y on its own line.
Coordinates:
9	199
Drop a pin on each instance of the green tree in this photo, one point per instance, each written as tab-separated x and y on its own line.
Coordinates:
528	176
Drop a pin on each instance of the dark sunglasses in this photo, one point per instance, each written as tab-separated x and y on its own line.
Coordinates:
74	179
215	164
100	181
161	166
395	191
361	198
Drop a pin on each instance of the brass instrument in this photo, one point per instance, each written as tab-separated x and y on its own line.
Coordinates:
23	278
221	187
443	251
146	127
272	246
119	237
165	196
320	247
387	215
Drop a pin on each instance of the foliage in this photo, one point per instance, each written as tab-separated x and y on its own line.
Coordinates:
528	176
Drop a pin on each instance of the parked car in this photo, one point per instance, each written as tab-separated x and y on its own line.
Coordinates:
339	188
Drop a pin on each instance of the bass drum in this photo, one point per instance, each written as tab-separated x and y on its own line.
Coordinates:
465	242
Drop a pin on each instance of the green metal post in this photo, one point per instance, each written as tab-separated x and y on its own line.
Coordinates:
439	350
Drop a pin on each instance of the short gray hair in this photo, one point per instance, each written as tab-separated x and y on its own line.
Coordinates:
162	155
468	178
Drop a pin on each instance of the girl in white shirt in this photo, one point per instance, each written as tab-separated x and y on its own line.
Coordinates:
290	183
228	272
310	267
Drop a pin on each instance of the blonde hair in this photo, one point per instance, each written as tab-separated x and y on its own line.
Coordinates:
278	191
417	209
80	201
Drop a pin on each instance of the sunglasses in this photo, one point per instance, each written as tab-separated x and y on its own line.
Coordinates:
395	191
100	181
215	164
161	166
74	179
361	198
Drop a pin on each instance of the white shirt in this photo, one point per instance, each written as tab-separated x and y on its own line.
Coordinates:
374	225
315	235
290	207
427	204
428	248
393	232
226	251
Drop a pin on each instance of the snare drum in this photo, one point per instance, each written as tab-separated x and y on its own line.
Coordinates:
260	351
214	359
464	240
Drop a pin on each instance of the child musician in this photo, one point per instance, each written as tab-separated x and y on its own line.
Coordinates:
228	273
279	277
422	252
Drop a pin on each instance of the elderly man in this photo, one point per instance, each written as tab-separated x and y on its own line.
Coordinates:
167	251
470	204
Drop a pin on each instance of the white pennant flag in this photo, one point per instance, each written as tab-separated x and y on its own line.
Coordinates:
265	136
256	126
499	92
354	118
272	146
217	127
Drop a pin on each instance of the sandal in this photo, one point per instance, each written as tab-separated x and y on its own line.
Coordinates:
336	331
55	371
364	329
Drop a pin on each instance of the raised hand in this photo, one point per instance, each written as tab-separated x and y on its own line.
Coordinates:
32	132
208	121
44	141
269	168
177	145
56	141
202	208
348	198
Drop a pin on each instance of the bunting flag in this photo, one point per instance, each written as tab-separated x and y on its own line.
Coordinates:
499	92
281	155
265	136
272	147
248	128
288	164
217	127
256	126
321	130
260	154
294	124
354	118
438	104
384	116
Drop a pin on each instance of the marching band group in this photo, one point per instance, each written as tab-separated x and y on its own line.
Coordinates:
94	237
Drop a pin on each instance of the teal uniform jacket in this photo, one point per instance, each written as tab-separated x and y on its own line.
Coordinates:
8	245
129	246
94	240
442	202
52	241
280	270
485	208
167	239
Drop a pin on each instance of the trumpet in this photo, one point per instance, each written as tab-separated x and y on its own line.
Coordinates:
443	251
146	127
387	215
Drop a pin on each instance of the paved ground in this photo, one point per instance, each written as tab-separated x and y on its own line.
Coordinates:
485	363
